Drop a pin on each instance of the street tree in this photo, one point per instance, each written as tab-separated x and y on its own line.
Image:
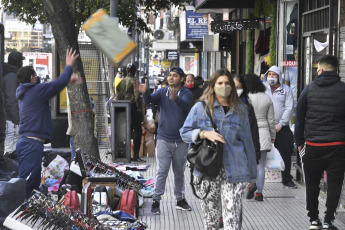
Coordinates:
66	18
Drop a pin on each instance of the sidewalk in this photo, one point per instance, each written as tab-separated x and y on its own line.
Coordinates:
281	209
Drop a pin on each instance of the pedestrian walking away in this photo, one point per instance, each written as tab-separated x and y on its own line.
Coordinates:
35	119
283	103
264	112
320	137
9	87
239	158
174	102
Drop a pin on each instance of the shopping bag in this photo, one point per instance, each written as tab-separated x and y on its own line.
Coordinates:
107	36
274	160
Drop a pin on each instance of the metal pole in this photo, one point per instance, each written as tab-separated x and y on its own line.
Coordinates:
115	15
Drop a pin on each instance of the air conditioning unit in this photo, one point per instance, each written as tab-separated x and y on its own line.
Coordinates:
163	35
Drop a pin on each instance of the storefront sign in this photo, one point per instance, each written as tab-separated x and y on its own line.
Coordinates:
233	25
196	25
172	55
289	63
165	64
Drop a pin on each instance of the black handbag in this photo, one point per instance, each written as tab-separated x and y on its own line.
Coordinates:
206	156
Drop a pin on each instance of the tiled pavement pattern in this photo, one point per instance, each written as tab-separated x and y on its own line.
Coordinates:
281	209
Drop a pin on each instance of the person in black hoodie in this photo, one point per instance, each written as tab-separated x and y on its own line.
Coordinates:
320	137
9	86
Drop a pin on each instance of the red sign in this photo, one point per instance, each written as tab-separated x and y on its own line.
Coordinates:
289	63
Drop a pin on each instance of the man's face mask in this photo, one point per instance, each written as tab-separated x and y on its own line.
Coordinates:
272	80
190	86
239	92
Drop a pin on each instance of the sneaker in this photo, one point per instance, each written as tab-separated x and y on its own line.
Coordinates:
183	205
328	226
290	184
259	197
250	191
315	224
155	208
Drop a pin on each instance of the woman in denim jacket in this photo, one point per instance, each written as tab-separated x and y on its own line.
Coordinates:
239	160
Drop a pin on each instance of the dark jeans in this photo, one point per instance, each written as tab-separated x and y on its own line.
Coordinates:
136	119
30	154
313	166
284	143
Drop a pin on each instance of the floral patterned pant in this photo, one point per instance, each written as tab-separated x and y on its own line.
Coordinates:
224	200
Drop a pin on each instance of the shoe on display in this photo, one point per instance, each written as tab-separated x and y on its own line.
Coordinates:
315	224
183	205
327	225
290	184
259	197
155	208
250	191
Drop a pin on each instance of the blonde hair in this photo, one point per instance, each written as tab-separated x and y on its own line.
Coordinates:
209	95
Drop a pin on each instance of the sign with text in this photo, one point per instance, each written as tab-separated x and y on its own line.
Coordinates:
289	63
233	25
172	54
196	25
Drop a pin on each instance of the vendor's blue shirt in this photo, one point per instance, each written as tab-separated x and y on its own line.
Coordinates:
33	102
172	113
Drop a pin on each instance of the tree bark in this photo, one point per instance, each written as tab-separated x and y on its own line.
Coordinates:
65	35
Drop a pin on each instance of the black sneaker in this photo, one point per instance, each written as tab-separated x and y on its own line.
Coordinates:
259	197
289	184
328	226
250	191
315	224
155	208
183	205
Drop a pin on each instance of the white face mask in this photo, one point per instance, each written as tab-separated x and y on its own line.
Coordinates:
239	92
272	80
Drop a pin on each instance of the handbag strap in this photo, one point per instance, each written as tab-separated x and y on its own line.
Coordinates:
210	116
193	184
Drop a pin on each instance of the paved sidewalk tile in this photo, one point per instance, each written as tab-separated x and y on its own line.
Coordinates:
282	208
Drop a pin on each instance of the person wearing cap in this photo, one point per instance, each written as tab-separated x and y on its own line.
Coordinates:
283	103
9	86
174	102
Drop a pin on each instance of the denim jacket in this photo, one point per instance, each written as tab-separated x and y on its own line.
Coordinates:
239	158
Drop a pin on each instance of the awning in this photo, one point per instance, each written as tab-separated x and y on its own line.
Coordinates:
218	6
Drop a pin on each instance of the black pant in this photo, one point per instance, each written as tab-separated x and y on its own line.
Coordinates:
314	164
136	119
284	143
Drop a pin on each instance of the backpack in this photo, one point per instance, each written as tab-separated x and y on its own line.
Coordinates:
72	200
129	202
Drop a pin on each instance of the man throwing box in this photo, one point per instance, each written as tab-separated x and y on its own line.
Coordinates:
174	102
320	137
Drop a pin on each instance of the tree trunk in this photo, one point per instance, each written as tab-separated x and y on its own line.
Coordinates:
65	35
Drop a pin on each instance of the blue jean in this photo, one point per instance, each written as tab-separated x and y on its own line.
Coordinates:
167	153
260	178
30	154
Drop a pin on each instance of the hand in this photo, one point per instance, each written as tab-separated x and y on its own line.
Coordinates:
278	128
300	148
273	140
76	79
173	94
213	136
71	56
142	88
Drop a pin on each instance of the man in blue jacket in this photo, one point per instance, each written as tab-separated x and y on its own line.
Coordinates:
174	102
35	120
